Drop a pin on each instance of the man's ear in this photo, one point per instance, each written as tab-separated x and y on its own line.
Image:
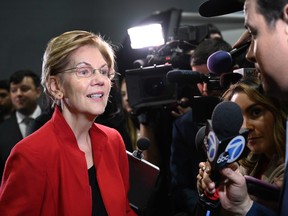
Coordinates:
55	87
39	91
285	13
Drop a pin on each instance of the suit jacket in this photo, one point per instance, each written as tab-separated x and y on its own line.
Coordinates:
259	210
185	157
185	163
46	173
10	134
284	195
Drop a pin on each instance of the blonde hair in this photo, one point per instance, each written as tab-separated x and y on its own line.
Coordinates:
59	49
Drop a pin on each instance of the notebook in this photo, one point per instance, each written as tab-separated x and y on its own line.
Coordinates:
143	178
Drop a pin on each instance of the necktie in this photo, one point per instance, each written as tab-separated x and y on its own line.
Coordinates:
28	122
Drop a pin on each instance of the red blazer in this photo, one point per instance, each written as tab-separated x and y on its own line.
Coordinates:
46	173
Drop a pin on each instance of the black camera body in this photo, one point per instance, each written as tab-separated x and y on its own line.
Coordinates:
175	53
148	86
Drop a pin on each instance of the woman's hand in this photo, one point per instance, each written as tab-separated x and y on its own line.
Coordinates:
204	183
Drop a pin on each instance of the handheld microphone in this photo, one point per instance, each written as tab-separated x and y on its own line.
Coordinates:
143	144
221	61
201	146
186	77
225	142
226	120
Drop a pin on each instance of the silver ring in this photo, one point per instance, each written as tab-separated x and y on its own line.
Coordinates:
201	194
203	168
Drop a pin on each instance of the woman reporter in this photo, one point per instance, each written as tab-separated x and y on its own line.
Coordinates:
265	118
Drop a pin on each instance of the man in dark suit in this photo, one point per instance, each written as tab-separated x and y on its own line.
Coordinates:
24	89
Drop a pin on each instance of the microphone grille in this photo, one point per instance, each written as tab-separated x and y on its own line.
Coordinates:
199	140
143	143
219	62
226	120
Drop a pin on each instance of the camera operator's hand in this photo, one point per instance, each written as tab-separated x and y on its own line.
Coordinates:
182	108
245	37
180	111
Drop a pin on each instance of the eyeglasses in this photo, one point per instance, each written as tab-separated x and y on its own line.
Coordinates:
84	70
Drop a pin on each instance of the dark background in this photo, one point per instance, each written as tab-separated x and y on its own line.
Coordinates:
26	26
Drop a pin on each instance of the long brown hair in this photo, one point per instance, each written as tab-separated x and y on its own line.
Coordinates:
253	89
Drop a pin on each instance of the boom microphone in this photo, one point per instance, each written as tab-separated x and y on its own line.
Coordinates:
186	77
227	79
221	61
143	144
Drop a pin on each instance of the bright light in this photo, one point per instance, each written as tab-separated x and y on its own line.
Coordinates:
146	36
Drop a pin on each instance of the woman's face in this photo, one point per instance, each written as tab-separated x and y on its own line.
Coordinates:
260	123
85	95
124	95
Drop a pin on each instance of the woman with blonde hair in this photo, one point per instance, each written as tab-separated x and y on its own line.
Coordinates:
71	165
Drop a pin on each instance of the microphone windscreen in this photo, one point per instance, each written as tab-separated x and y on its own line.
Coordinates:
211	8
228	79
143	143
226	120
185	77
199	141
219	62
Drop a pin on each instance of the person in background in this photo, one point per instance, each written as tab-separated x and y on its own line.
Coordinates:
132	123
71	165
265	160
184	157
214	32
6	106
25	90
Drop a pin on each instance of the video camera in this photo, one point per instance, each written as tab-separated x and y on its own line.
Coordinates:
147	84
176	52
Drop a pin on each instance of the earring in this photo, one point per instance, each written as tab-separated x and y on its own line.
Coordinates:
59	95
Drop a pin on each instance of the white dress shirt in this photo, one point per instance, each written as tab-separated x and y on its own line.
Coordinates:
21	119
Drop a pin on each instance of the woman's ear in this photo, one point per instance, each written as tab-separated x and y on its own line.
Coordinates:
55	87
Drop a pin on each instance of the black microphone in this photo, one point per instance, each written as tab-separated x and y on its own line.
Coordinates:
221	61
226	120
225	141
143	144
186	77
201	146
227	79
225	138
225	124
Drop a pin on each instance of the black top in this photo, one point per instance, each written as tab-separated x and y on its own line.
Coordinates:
98	207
